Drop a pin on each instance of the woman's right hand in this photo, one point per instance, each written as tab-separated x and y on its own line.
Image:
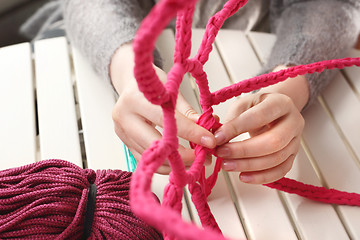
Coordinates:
136	119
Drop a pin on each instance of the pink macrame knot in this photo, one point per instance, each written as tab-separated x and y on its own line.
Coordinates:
207	121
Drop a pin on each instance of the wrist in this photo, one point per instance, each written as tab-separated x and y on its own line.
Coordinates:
296	88
121	66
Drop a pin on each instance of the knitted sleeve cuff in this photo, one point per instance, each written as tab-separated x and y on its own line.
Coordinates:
312	31
99	27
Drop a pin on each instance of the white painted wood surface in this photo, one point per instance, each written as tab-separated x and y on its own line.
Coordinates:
64	82
301	209
58	129
96	98
17	107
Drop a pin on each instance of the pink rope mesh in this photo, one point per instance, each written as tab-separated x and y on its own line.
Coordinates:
167	217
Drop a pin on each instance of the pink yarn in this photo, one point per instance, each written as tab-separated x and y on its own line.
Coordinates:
167	217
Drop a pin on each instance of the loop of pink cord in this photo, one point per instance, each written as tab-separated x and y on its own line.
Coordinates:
167	217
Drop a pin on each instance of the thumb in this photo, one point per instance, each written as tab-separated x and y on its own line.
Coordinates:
187	127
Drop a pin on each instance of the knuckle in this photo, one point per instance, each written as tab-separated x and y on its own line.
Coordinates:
276	142
286	100
119	108
278	158
245	165
234	128
240	151
189	112
302	122
259	118
287	166
115	115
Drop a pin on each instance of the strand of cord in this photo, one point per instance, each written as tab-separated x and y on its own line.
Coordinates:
315	193
268	79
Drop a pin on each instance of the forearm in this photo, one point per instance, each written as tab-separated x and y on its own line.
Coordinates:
98	28
310	31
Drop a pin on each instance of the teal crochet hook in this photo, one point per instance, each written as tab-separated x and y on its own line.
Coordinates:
130	160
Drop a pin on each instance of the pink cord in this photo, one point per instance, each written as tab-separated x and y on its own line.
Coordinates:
167	217
47	200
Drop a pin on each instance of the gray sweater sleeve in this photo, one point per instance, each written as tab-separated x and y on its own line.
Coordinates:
99	27
310	31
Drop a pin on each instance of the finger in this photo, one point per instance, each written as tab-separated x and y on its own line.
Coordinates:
186	109
187	155
149	135
269	175
186	128
134	148
275	139
135	153
266	109
142	141
264	162
164	170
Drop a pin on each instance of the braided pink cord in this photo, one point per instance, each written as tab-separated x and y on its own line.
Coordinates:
167	217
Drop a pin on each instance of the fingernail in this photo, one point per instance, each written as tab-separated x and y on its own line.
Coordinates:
220	138
207	141
223	152
229	165
246	178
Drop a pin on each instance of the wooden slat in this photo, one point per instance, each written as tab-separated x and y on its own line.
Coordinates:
58	128
261	208
328	221
262	43
104	150
17	108
306	212
342	102
335	162
239	58
353	73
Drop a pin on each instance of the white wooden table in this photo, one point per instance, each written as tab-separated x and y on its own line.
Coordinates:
53	105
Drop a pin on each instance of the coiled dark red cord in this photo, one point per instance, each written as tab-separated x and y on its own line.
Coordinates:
47	200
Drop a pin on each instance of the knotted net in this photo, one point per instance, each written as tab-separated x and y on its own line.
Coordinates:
167	217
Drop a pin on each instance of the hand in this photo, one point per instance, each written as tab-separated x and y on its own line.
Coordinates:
275	125
136	119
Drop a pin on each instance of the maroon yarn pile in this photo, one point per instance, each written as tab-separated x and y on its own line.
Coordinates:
47	200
